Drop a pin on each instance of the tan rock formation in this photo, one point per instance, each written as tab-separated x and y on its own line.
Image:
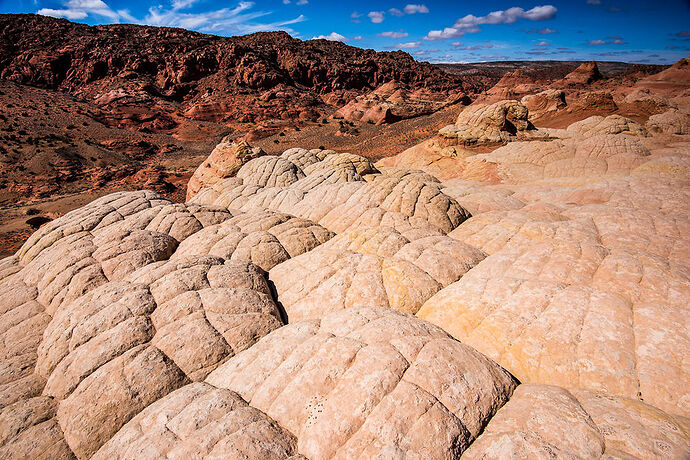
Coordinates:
373	382
544	103
554	281
670	122
394	101
333	191
489	124
377	266
224	161
612	124
553	275
542	421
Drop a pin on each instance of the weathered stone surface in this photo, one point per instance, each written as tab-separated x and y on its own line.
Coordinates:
264	238
543	421
224	161
521	162
489	124
270	172
379	266
612	124
199	420
544	103
670	122
368	382
113	394
28	429
97	324
97	214
596	301
120	252
334	192
539	421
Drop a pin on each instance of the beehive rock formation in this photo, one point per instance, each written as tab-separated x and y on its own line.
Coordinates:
372	381
489	124
590	147
315	305
224	161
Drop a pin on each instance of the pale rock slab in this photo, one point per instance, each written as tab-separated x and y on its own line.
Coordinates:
367	382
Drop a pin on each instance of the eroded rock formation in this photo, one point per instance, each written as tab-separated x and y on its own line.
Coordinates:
315	305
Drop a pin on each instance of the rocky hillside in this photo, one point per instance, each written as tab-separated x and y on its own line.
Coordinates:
175	72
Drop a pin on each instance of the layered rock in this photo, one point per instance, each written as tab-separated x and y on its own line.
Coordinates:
541	310
542	421
372	382
392	101
224	161
544	103
585	74
491	124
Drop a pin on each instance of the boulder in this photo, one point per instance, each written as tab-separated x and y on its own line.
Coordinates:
224	161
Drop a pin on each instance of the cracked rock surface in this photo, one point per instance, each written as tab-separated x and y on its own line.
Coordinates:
316	305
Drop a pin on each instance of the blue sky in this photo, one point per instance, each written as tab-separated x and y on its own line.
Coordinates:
436	31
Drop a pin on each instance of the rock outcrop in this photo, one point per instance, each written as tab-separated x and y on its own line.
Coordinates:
544	103
491	124
392	101
585	74
315	305
670	122
224	161
589	147
148	76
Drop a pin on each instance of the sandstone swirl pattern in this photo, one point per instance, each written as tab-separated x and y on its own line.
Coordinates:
314	305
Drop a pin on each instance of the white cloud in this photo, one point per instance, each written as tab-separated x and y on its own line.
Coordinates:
333	36
302	2
409	45
459	46
542	31
471	23
358	38
396	12
617	41
80	9
376	16
69	14
542	44
286	2
393	34
412	9
182	4
238	20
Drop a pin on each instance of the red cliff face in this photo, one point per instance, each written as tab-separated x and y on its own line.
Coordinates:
172	72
